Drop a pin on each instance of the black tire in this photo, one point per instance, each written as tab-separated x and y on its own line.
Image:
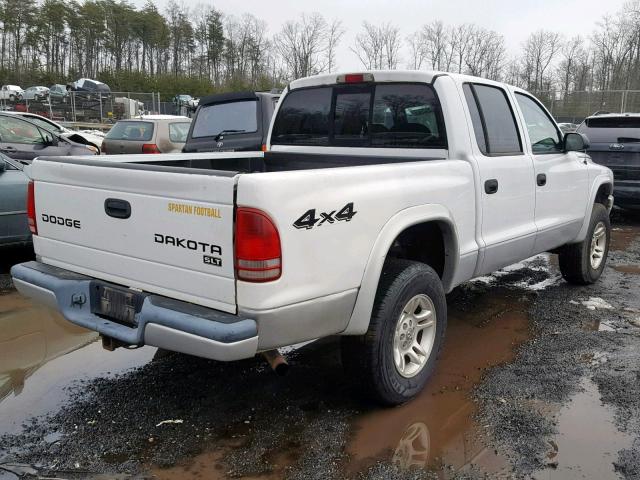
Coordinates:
575	259
369	358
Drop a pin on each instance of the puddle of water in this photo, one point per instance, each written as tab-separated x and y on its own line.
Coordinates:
630	269
588	442
623	237
438	428
41	353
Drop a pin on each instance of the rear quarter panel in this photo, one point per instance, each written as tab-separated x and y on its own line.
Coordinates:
331	257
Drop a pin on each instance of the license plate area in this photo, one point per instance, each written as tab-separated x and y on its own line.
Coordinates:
116	303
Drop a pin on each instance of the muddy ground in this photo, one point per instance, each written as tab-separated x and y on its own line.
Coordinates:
537	379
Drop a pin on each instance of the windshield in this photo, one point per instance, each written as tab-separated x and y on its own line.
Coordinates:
233	117
44	124
132	131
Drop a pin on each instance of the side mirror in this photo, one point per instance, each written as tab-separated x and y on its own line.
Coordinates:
50	140
575	142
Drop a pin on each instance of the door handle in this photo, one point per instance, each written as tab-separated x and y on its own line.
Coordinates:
491	186
541	179
116	208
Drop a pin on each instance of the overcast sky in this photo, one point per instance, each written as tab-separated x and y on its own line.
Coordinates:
514	19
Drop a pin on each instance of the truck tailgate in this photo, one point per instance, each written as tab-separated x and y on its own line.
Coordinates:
177	239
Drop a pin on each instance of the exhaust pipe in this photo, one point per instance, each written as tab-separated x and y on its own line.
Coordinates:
276	361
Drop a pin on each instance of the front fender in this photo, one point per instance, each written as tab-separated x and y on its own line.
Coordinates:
359	322
595	186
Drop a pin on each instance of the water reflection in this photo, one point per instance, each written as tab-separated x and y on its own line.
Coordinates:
30	336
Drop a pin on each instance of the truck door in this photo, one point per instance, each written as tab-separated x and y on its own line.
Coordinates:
561	179
507	193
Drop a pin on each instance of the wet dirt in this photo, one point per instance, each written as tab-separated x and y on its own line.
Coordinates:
438	428
630	269
524	388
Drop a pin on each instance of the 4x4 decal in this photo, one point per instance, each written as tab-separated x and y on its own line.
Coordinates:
308	219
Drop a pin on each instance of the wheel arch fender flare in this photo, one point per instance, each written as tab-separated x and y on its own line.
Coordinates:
595	186
361	315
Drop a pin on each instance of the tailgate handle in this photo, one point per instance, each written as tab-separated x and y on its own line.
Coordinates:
116	208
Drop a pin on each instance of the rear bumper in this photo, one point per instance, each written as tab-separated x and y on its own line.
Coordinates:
161	321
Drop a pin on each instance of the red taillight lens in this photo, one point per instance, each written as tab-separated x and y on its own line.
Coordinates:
31	208
355	78
258	253
150	148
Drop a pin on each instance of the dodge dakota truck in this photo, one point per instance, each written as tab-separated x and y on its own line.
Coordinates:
377	194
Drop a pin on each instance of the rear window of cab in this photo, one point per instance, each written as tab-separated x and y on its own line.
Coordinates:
391	115
131	130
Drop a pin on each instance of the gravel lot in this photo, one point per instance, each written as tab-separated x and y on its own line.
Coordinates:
538	379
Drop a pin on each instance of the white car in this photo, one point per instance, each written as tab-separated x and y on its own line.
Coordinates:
36	93
11	92
88	137
379	192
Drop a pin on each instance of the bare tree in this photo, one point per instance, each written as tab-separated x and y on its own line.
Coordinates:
378	47
435	40
307	46
572	57
335	33
485	55
539	50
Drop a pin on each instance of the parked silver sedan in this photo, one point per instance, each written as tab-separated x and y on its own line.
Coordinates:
14	227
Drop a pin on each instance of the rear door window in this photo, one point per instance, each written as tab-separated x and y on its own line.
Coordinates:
230	117
394	115
131	131
495	117
178	132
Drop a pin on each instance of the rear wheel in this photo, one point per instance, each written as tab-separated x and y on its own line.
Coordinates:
583	263
397	355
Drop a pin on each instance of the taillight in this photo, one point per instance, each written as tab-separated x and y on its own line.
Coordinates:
31	208
258	253
263	147
150	148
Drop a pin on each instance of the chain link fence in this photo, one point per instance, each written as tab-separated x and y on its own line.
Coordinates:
575	106
88	108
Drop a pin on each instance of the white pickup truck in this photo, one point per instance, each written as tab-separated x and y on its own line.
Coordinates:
379	192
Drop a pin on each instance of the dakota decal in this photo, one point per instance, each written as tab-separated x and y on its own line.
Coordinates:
187	243
197	210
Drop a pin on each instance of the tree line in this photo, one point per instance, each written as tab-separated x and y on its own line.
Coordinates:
201	49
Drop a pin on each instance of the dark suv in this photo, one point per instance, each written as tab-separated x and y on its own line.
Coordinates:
615	143
231	122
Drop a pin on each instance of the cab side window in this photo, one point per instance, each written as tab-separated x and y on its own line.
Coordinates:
494	124
543	133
